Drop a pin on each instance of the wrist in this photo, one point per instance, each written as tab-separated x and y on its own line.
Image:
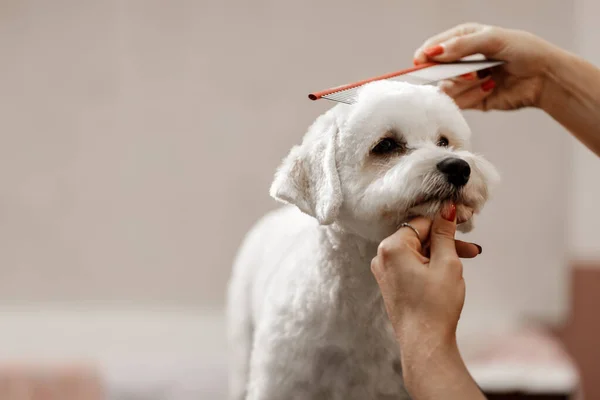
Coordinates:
427	346
412	333
554	88
427	357
432	367
425	342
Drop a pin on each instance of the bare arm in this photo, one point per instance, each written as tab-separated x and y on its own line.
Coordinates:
424	298
572	97
437	373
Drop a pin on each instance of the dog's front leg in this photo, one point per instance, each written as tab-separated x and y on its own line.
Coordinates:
280	366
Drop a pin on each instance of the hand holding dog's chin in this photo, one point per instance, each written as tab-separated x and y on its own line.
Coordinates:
423	295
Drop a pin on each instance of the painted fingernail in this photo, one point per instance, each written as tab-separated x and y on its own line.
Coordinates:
416	62
434	51
449	212
470	76
483	73
488	85
478	248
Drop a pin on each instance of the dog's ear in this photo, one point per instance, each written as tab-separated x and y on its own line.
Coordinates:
308	176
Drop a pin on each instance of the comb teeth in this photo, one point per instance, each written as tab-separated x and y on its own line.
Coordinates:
348	96
417	76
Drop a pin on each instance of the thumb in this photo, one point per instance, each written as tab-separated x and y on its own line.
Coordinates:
443	230
482	42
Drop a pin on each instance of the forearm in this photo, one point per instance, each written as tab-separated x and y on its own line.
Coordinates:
435	371
572	97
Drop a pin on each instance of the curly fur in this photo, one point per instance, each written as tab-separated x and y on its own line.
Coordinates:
306	319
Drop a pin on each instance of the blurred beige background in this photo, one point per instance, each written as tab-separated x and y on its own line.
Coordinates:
139	139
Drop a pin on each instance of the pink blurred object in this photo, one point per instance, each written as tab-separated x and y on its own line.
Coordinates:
37	382
528	360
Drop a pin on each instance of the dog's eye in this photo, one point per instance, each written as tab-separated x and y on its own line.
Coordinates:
443	141
386	146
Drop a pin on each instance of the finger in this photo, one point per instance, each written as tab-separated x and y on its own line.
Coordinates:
408	236
484	73
456	87
461	83
466	249
470	76
459	30
463	249
486	42
443	229
473	97
376	269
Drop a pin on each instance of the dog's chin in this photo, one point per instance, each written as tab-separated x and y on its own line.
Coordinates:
429	208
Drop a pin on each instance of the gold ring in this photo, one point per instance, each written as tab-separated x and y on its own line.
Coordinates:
406	224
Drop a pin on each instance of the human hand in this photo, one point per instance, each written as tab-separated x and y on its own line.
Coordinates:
520	82
423	295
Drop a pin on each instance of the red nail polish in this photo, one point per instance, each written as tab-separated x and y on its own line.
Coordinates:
434	51
415	62
449	212
469	77
488	85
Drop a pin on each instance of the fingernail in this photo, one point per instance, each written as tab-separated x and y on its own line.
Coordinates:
434	51
488	85
478	248
470	76
483	73
415	61
449	212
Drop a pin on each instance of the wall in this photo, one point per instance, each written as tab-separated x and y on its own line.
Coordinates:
139	139
585	191
581	332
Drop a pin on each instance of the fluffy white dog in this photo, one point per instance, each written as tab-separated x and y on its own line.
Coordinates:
306	318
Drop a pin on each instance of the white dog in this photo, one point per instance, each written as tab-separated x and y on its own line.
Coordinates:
306	318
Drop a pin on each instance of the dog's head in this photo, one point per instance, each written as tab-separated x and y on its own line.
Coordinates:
399	151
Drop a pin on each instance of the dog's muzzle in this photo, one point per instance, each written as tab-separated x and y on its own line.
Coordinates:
457	171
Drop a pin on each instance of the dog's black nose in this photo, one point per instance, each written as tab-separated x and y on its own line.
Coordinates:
457	171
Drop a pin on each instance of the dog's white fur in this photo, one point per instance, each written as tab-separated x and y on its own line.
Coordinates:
306	319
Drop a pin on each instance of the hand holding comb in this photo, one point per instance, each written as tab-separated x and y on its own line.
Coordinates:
423	74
